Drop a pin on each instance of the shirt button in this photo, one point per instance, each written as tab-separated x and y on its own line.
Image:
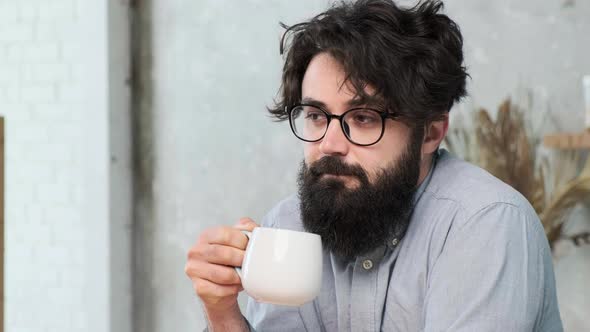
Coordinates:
367	264
394	242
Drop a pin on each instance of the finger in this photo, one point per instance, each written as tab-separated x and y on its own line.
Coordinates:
223	255
207	289
228	236
218	274
246	224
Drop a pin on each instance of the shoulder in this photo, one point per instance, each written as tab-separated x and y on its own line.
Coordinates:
473	192
284	214
462	200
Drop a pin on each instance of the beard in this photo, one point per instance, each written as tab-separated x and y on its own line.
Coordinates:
354	221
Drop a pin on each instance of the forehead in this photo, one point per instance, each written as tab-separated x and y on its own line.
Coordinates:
325	80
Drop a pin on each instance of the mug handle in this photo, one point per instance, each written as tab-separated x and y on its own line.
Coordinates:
239	268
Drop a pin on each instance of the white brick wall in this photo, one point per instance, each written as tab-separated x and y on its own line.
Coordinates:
53	91
43	226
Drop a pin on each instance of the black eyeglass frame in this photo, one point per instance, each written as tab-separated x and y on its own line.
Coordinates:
384	116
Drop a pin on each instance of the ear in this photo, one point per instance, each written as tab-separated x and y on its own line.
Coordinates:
434	133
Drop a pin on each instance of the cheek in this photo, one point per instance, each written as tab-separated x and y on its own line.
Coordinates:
374	161
386	152
310	152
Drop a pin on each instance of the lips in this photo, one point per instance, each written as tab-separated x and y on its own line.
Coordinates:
340	172
331	175
336	176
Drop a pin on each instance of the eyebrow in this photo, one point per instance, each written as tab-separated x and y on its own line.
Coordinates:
351	103
313	102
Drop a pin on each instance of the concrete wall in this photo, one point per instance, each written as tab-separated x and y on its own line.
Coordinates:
218	157
65	271
539	45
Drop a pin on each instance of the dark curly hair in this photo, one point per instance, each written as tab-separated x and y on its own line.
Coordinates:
412	57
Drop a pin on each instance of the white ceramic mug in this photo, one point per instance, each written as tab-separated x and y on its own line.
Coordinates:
282	266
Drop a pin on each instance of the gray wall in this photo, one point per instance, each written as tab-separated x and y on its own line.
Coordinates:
218	156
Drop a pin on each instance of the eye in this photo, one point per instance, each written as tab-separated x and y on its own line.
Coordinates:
365	117
314	115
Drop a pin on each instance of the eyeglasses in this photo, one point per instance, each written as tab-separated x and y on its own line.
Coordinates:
361	126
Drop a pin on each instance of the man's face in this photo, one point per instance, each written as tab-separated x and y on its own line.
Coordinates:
356	197
323	82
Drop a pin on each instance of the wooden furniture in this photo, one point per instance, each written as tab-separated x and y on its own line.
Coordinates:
568	141
571	141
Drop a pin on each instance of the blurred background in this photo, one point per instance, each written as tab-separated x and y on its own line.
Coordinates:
131	126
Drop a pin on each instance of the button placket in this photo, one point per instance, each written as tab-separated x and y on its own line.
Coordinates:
367	264
364	291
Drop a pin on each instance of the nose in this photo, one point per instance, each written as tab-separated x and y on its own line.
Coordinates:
334	142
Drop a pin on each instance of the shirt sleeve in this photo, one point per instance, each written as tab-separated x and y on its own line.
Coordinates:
494	274
268	317
250	328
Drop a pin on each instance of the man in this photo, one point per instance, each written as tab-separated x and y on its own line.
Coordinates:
415	240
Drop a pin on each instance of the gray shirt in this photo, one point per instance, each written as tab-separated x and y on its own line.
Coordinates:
474	258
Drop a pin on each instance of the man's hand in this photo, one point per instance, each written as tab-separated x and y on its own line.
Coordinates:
210	266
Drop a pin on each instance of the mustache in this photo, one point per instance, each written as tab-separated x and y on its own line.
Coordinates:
335	166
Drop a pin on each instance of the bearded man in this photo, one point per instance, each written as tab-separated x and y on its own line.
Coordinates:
414	239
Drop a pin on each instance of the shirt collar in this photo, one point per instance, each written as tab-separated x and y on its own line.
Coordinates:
427	179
